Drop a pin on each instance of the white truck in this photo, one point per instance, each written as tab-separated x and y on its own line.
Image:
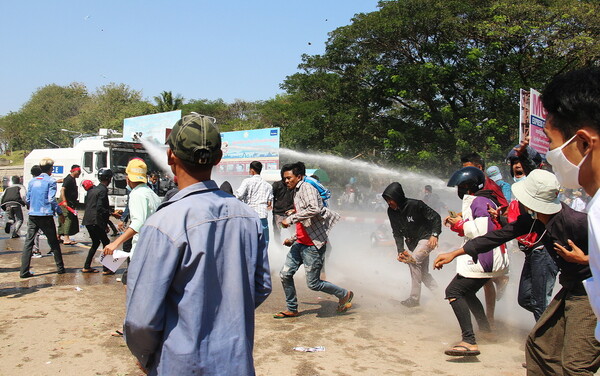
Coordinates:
92	155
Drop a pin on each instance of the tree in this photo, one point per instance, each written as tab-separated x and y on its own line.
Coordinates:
421	82
39	122
166	102
109	105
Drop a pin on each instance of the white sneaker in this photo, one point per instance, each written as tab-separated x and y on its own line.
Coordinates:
37	255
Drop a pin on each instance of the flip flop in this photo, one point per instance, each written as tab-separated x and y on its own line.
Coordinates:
117	333
90	270
285	314
107	273
460	350
70	243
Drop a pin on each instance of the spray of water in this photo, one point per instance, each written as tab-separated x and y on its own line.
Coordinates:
375	275
158	154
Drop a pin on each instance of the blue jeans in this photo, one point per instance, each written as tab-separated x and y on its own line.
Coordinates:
265	229
537	281
312	258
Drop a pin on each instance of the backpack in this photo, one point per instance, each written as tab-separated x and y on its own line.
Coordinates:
323	192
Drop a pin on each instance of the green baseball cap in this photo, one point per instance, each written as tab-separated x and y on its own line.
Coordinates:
195	139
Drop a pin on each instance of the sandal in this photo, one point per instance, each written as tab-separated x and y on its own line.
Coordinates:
286	314
107	272
117	333
70	243
462	349
92	270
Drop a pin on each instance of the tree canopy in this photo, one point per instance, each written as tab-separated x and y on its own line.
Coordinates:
420	82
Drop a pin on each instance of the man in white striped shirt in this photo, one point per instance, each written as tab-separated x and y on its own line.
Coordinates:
258	194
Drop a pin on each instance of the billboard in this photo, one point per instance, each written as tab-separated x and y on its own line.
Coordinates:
537	120
240	148
150	127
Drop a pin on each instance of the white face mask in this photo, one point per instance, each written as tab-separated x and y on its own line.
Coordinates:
566	172
532	214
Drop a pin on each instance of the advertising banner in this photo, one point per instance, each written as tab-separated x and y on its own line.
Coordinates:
240	148
537	120
150	127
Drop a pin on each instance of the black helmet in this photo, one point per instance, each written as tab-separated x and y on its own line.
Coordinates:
471	178
105	173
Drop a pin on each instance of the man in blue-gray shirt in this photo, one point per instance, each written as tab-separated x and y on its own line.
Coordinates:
41	199
199	271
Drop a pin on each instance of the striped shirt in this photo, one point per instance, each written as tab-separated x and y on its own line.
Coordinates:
257	193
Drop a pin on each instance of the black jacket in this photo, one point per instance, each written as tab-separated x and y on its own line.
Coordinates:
413	219
283	198
564	225
12	197
97	208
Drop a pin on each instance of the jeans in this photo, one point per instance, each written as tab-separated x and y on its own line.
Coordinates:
419	271
537	281
562	341
97	234
461	295
46	224
15	214
265	229
312	258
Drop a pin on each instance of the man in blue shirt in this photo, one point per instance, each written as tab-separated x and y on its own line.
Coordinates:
41	199
200	269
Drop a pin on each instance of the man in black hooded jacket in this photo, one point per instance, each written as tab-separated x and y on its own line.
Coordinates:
419	225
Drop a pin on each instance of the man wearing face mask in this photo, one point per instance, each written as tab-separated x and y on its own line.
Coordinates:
142	203
562	341
572	101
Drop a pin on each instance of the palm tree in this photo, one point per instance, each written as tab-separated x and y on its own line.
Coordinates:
166	102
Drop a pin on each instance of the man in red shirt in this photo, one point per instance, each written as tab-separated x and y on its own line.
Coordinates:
313	222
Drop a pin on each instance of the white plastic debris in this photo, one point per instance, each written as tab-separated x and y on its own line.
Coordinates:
78	288
309	349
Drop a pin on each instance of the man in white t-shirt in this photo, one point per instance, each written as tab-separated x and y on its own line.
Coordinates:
573	127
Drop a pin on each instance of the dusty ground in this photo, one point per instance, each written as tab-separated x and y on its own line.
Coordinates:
49	327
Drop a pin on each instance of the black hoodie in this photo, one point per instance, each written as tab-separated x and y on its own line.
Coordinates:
413	219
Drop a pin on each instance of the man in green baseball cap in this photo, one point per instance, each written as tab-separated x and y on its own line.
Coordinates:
201	268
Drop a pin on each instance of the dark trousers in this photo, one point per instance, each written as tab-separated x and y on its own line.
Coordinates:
15	214
126	248
537	281
562	341
98	235
112	226
46	224
461	293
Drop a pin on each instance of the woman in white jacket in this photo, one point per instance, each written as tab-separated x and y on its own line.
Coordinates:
472	274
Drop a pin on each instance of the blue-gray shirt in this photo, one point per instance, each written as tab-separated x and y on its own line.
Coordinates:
200	270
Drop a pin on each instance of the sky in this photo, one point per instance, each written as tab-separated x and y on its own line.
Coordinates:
199	49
